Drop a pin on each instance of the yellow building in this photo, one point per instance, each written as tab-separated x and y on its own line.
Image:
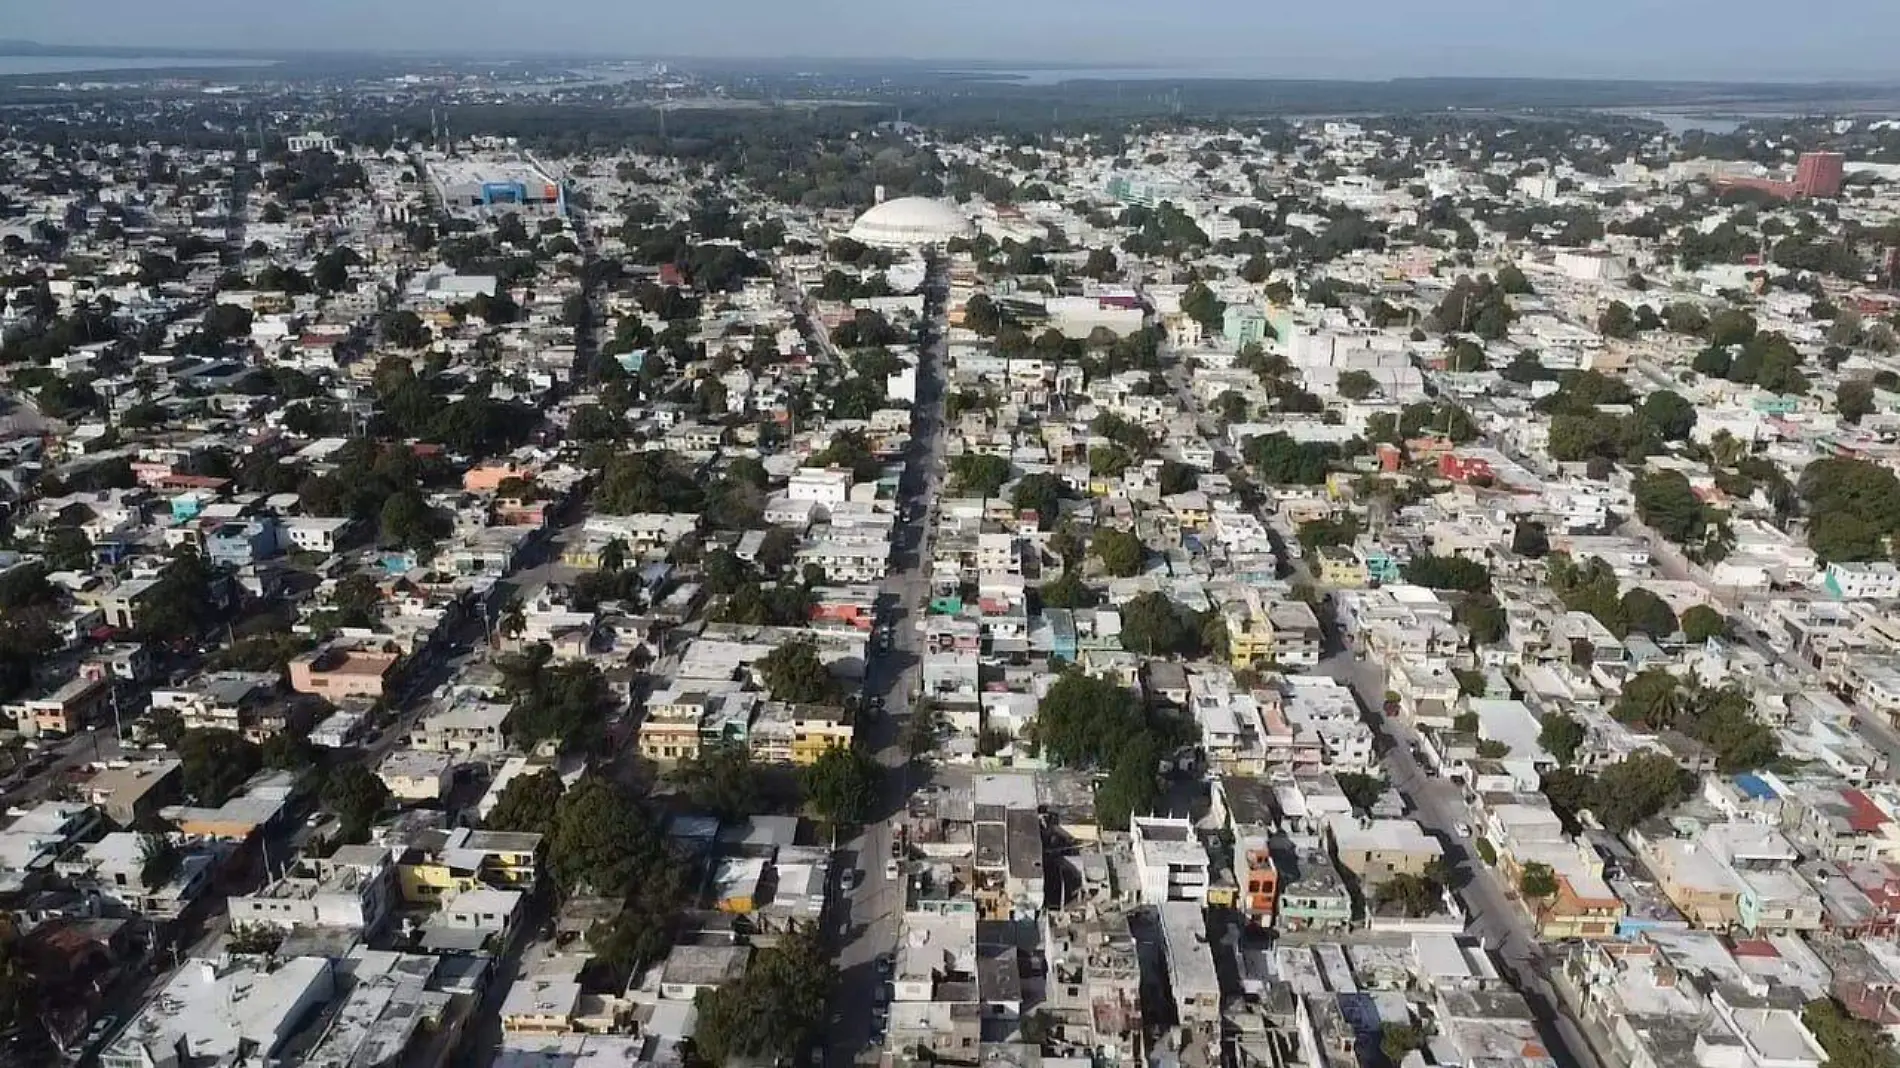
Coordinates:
1342	568
815	729
1249	633
441	864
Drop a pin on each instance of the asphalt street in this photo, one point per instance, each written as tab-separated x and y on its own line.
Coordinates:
865	919
1438	805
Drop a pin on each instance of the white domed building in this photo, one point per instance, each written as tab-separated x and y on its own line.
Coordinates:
911	222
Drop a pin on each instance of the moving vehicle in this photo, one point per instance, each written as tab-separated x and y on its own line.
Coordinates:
890	869
1463	829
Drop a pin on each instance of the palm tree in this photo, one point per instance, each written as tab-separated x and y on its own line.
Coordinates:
613	555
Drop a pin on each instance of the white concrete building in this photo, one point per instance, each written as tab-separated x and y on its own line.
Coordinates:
1169	860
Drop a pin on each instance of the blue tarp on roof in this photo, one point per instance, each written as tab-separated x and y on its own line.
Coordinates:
1754	787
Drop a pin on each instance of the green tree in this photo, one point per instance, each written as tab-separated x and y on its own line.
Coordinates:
1700	623
1483	618
159	861
561	704
1667	504
1671	416
1068	591
1853	508
1854	399
613	555
1200	304
408	522
1362	791
919	733
979	475
1039	493
1154	625
1397	1039
1083	720
67	549
1644	611
1120	551
1448	573
1561	736
1617	321
775	1012
1132	787
404	328
1850	1042
20	990
1537	882
1357	385
1653	698
214	763
1317	534
528	803
602	841
792	672
1411	895
289	751
842	785
357	796
721	780
1634	789
1109	461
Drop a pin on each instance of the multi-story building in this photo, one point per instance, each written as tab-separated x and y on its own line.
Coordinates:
1313	895
441	864
355	887
337	672
1170	861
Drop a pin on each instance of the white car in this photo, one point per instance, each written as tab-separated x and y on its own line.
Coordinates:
890	870
1463	829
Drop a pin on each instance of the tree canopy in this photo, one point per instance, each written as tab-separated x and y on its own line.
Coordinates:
1154	625
793	672
528	803
602	840
214	762
775	1011
1853	509
842	785
1089	722
1120	551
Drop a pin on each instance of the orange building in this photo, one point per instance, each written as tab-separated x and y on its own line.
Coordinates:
488	478
1260	882
335	672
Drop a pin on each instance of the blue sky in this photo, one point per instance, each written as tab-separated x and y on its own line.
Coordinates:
1733	39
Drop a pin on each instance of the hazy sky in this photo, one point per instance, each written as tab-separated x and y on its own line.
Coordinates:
1766	39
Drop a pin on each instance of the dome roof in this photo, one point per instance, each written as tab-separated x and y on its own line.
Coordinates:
911	221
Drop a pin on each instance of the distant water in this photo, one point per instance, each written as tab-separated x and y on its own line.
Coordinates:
14	66
1055	75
